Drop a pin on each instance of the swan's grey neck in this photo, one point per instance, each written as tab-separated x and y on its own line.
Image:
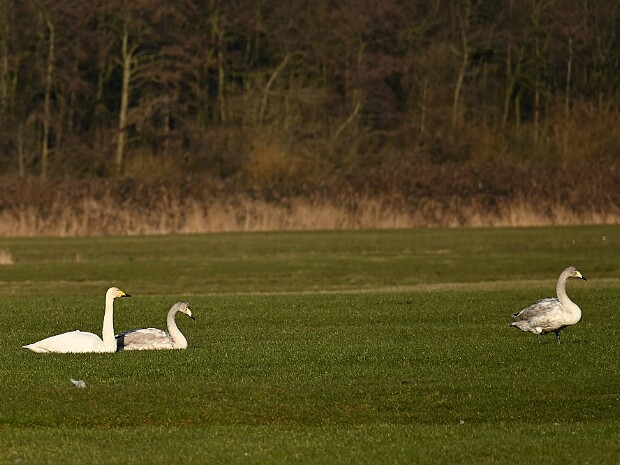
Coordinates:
109	342
561	290
178	339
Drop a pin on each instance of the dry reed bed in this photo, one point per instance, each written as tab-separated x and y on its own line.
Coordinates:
421	197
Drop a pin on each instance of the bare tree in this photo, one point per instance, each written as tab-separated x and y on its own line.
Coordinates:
47	92
127	60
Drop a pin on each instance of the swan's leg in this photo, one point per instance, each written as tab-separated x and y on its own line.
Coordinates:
539	337
557	336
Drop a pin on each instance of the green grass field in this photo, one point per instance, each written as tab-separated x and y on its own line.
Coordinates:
326	347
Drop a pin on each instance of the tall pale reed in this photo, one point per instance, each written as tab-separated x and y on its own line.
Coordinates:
89	217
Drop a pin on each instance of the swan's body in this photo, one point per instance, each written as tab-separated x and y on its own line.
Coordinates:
156	339
79	341
553	314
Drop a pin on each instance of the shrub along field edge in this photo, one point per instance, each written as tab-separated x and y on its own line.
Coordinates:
414	196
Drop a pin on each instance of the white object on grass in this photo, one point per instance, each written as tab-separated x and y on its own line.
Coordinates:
79	341
553	314
78	383
156	339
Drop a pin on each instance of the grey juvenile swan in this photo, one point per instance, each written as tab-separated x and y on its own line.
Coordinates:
551	315
156	339
79	341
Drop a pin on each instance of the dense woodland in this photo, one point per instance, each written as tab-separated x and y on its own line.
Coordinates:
266	90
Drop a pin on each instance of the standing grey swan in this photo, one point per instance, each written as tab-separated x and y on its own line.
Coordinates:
79	341
553	314
156	339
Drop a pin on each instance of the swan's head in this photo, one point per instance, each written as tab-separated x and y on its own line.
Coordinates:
115	292
574	273
184	307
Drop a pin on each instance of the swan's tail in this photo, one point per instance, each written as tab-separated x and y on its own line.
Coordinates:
35	348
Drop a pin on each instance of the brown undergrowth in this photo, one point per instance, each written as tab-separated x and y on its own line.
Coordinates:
425	196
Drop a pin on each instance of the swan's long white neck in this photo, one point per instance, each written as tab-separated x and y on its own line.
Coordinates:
560	288
563	296
109	342
178	339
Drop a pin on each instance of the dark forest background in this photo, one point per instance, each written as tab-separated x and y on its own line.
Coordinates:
272	90
504	98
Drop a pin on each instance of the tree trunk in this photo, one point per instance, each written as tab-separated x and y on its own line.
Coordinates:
423	105
221	82
569	71
45	149
4	59
274	75
510	85
127	58
20	151
456	102
356	95
218	34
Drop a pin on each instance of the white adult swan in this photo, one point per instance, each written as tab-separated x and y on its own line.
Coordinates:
156	339
79	341
551	315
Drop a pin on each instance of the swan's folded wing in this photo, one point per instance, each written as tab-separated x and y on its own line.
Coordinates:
71	342
148	338
539	308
